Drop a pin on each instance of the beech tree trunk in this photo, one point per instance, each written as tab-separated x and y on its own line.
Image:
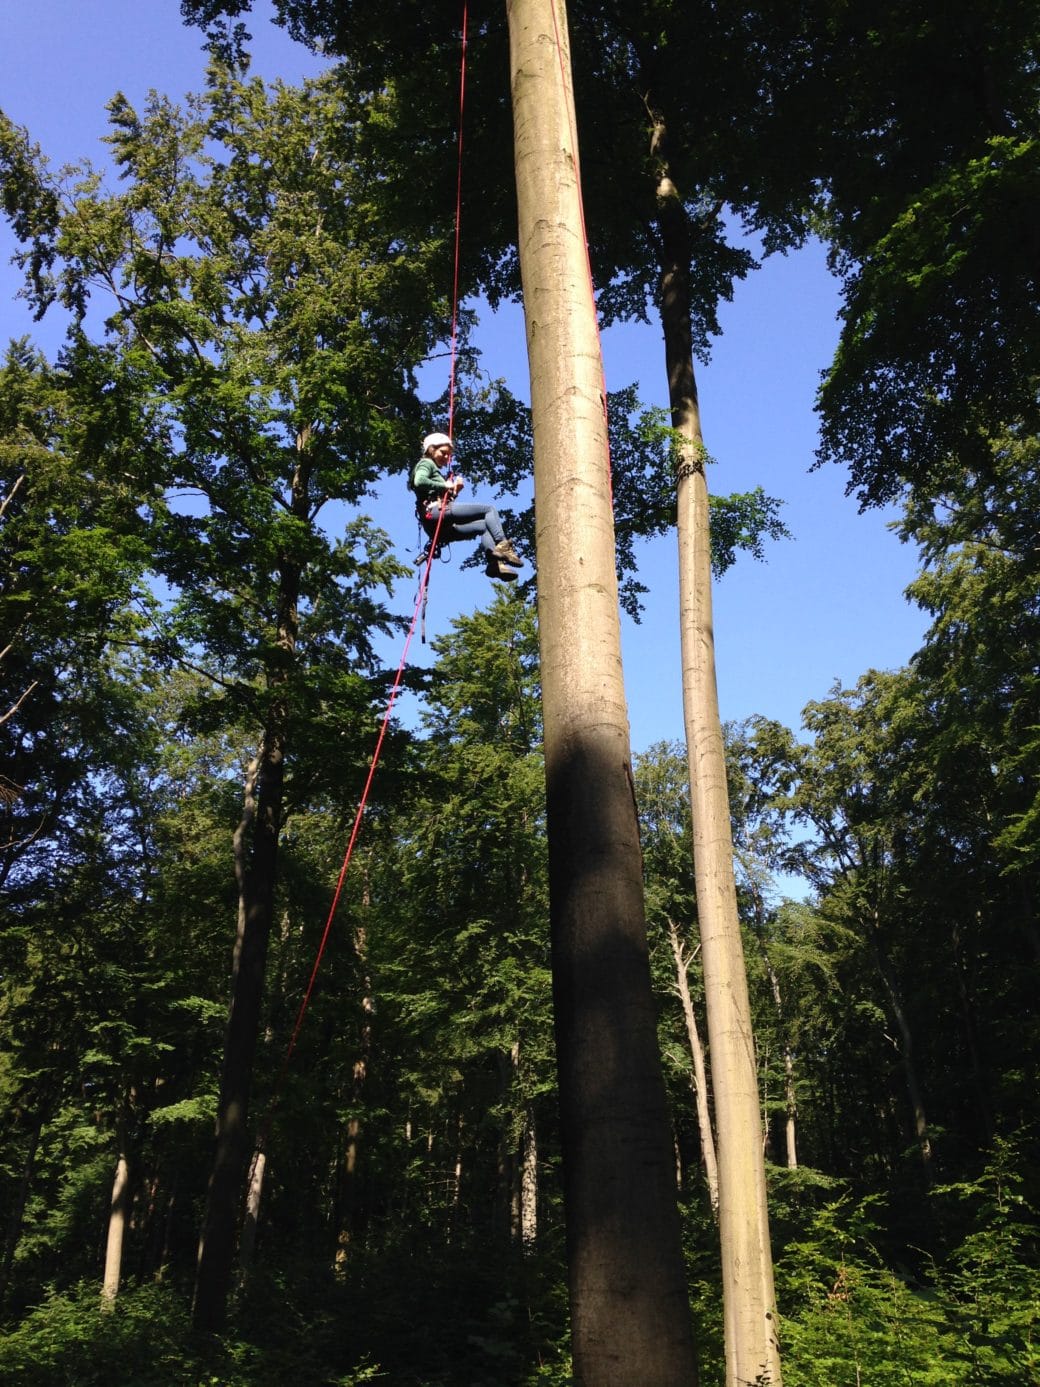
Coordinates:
630	1317
752	1346
119	1213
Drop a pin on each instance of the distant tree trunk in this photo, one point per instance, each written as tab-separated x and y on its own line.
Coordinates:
528	1182
256	866
790	1111
347	1199
630	1316
118	1217
700	1075
790	1101
752	1346
254	1198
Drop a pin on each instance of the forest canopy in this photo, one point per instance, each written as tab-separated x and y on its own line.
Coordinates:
194	602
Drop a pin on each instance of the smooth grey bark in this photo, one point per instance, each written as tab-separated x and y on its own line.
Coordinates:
630	1316
118	1216
749	1308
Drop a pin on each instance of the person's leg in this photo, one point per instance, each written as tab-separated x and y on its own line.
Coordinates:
472	518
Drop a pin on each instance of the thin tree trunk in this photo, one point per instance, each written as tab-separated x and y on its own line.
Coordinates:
254	1198
118	1215
790	1101
699	1076
791	1111
752	1345
528	1182
347	1201
630	1318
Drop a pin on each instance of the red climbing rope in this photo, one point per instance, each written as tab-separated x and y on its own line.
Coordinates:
424	581
419	604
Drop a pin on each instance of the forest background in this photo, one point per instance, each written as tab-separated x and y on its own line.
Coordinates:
900	988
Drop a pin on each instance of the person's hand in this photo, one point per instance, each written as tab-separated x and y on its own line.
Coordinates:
458	484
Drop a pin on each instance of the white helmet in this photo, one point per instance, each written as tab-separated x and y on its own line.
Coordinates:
434	440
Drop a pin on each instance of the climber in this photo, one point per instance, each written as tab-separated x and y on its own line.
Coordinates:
436	487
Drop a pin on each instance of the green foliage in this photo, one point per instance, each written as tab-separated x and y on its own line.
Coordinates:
971	1316
848	1318
926	175
69	1339
990	1277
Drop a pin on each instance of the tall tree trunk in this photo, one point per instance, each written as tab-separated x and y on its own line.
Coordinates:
256	866
118	1216
630	1317
699	1075
752	1346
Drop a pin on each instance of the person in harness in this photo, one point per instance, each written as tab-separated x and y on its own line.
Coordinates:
437	488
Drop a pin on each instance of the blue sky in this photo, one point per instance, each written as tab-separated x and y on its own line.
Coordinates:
826	605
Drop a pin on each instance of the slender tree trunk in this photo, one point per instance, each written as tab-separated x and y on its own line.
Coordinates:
528	1182
700	1073
523	1165
254	1199
347	1201
118	1216
752	1346
790	1101
630	1317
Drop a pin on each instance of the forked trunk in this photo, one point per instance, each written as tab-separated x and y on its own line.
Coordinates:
630	1317
700	1074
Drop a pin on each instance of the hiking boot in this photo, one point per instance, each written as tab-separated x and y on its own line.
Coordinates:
496	569
504	550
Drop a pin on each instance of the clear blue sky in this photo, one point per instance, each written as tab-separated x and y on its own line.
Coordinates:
825	606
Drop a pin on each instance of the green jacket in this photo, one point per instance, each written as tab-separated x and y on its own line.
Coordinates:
428	482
